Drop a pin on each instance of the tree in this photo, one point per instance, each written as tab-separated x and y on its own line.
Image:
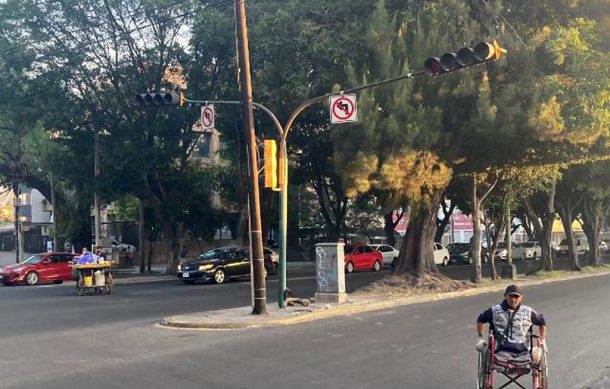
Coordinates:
568	198
595	205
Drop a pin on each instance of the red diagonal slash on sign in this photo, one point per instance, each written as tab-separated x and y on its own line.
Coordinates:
343	108
207	117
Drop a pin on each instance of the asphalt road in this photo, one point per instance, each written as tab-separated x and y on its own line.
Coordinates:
52	338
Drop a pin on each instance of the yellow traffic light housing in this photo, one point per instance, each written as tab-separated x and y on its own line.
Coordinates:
270	163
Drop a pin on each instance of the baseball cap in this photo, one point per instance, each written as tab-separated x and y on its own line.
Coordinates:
513	289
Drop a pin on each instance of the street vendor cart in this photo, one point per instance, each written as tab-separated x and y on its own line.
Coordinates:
93	278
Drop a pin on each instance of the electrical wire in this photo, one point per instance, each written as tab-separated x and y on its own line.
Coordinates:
119	36
15	48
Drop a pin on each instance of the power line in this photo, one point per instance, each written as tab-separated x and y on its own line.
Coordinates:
82	30
14	49
119	36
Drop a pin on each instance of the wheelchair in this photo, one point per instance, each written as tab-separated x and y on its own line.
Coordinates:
512	366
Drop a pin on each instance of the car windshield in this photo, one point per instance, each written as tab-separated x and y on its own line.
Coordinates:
214	254
458	247
34	259
501	245
349	249
564	242
529	244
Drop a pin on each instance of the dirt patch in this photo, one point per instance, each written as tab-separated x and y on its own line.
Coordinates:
409	285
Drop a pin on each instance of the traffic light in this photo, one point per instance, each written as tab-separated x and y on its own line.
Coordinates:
270	163
465	57
168	98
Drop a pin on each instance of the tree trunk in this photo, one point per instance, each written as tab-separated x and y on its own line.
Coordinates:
141	237
492	243
442	223
417	250
388	228
548	217
475	242
567	218
593	217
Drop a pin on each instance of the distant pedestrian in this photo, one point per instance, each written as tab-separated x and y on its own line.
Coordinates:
129	254
68	247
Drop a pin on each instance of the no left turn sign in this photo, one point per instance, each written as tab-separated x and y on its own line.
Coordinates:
207	117
343	109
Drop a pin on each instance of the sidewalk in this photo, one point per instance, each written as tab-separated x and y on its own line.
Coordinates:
241	318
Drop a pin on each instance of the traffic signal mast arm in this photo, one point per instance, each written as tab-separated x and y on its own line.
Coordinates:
448	62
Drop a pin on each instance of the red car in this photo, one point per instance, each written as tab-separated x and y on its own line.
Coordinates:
362	258
44	267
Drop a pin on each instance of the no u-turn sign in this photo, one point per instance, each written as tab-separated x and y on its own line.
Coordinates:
343	109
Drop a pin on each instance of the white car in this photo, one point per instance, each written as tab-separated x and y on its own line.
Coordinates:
388	252
123	247
582	246
530	249
441	254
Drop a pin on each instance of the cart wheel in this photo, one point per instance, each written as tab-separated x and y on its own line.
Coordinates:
79	285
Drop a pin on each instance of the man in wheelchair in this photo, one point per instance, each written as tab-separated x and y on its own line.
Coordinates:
511	348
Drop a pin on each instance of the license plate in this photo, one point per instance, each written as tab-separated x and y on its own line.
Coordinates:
185	275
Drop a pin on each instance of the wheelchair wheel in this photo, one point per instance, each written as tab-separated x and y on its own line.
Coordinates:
483	373
540	374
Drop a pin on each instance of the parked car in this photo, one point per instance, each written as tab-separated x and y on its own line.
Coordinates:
39	268
603	246
502	252
388	253
218	265
362	257
582	247
459	253
529	249
123	247
441	254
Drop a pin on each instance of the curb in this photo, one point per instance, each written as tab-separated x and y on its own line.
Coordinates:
303	315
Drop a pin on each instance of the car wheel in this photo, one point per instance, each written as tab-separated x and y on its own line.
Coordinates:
445	261
189	282
377	266
219	276
349	267
31	278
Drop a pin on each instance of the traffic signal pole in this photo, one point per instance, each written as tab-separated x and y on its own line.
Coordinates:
481	54
258	276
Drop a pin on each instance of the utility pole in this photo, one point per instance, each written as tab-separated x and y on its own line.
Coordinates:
18	237
256	238
96	173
